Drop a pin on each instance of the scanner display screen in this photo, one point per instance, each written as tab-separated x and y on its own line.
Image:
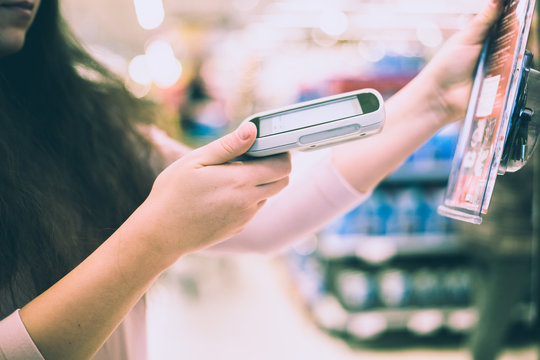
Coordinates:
309	116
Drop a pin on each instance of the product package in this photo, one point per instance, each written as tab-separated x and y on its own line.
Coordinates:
499	131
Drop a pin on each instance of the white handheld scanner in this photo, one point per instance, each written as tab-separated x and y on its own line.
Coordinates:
317	123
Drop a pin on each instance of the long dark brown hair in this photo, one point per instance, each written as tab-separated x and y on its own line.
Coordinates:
72	165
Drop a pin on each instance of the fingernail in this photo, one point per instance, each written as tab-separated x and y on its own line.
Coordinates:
244	132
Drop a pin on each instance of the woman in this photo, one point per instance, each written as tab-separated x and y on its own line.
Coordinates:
75	166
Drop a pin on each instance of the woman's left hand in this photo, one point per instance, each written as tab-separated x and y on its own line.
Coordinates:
451	71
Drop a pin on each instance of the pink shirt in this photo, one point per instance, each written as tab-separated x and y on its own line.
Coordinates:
316	195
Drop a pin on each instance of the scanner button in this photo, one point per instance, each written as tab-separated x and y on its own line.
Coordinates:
329	134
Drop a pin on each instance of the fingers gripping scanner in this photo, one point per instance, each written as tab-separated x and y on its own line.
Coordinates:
318	123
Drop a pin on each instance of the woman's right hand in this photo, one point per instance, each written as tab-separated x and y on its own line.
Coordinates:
207	196
202	198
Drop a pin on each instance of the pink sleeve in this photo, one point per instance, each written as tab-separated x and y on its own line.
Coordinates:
316	195
15	342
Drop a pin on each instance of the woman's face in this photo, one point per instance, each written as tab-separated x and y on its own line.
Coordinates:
16	16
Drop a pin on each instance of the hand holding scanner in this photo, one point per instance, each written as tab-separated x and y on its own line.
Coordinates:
317	123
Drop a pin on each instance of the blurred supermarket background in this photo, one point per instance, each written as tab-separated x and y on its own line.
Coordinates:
390	280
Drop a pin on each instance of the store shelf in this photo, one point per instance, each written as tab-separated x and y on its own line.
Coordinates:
366	325
393	263
380	249
330	315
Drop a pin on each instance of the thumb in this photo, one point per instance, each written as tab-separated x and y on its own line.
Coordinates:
228	147
477	30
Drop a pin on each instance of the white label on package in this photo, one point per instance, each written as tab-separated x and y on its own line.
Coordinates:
487	96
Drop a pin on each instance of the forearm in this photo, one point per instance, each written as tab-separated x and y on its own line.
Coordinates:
412	117
73	318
